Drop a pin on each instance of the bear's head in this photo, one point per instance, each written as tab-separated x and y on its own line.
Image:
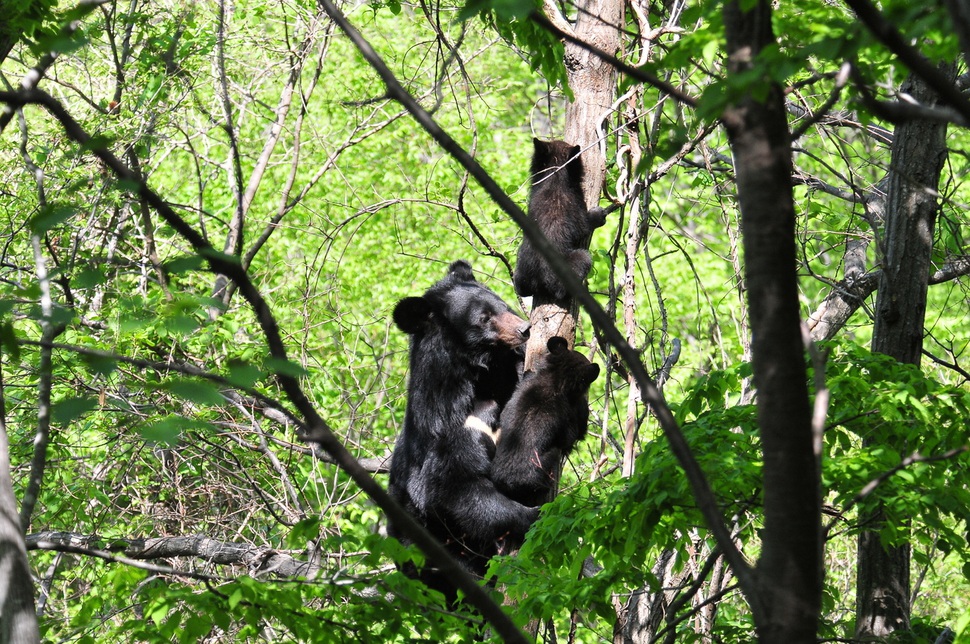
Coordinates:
570	370
465	310
551	157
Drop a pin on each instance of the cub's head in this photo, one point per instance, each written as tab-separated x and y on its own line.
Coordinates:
551	157
463	309
570	370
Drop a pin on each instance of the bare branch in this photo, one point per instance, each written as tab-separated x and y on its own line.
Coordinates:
848	295
49	330
258	560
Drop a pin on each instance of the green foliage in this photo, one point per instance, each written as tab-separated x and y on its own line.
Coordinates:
875	397
626	525
361	208
510	19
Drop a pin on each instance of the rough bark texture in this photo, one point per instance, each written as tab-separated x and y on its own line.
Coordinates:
593	83
18	621
918	152
787	598
258	560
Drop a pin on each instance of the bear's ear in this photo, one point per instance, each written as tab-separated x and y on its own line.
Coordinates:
575	151
462	270
412	314
555	344
591	373
540	154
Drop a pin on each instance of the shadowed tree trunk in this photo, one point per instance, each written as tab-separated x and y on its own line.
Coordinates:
786	600
918	152
18	621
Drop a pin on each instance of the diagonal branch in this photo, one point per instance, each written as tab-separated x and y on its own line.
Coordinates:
888	35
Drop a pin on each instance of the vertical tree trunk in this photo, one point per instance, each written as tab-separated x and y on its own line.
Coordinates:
18	621
593	84
918	152
787	600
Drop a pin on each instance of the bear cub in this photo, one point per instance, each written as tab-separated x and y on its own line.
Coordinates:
543	421
558	206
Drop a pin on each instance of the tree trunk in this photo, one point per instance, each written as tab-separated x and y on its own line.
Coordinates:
787	598
18	621
918	152
593	84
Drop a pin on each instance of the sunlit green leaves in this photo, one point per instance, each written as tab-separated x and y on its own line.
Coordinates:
874	397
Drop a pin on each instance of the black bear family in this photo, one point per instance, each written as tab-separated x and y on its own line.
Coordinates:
466	383
558	206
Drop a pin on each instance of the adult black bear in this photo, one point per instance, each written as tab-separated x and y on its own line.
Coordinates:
546	417
558	206
464	349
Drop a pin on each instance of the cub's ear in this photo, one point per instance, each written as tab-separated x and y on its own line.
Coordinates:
591	373
412	314
461	270
540	153
555	344
575	151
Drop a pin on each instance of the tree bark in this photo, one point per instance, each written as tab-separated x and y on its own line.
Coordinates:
918	152
787	598
593	84
18	621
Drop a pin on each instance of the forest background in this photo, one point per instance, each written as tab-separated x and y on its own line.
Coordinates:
210	210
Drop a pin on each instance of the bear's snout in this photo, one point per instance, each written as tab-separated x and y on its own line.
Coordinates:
510	329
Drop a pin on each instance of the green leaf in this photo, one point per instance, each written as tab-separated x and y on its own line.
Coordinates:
235	598
304	531
244	374
8	340
185	264
169	429
201	392
100	364
88	278
66	410
51	216
284	367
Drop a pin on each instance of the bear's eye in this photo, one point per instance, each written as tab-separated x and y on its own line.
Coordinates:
483	318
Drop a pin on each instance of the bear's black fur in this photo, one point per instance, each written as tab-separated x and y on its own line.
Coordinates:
484	423
546	417
465	348
558	206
